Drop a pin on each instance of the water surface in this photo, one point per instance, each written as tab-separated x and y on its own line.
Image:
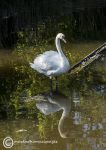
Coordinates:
85	122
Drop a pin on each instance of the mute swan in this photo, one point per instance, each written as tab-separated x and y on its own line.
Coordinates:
52	63
48	105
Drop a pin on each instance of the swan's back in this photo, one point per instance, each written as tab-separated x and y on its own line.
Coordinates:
49	60
47	108
48	104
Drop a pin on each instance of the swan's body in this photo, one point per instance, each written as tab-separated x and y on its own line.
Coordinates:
48	105
52	63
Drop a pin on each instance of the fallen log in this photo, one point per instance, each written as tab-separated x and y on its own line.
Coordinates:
100	51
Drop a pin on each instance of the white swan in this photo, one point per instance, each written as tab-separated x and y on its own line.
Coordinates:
52	63
48	105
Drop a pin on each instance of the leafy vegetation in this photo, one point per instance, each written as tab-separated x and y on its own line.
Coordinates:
18	80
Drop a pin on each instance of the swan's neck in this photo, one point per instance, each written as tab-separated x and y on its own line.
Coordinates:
61	123
58	46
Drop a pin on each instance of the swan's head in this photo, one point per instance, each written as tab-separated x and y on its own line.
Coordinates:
61	36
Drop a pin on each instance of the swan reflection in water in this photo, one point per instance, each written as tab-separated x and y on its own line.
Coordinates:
50	104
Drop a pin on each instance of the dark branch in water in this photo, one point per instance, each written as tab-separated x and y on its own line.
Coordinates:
88	59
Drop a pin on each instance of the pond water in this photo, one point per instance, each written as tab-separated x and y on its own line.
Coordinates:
72	119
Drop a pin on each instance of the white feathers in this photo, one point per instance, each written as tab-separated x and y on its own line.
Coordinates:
52	63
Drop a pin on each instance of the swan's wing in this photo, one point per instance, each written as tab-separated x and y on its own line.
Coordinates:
49	53
47	108
49	60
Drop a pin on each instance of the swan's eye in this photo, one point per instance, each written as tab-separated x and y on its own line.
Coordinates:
62	36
